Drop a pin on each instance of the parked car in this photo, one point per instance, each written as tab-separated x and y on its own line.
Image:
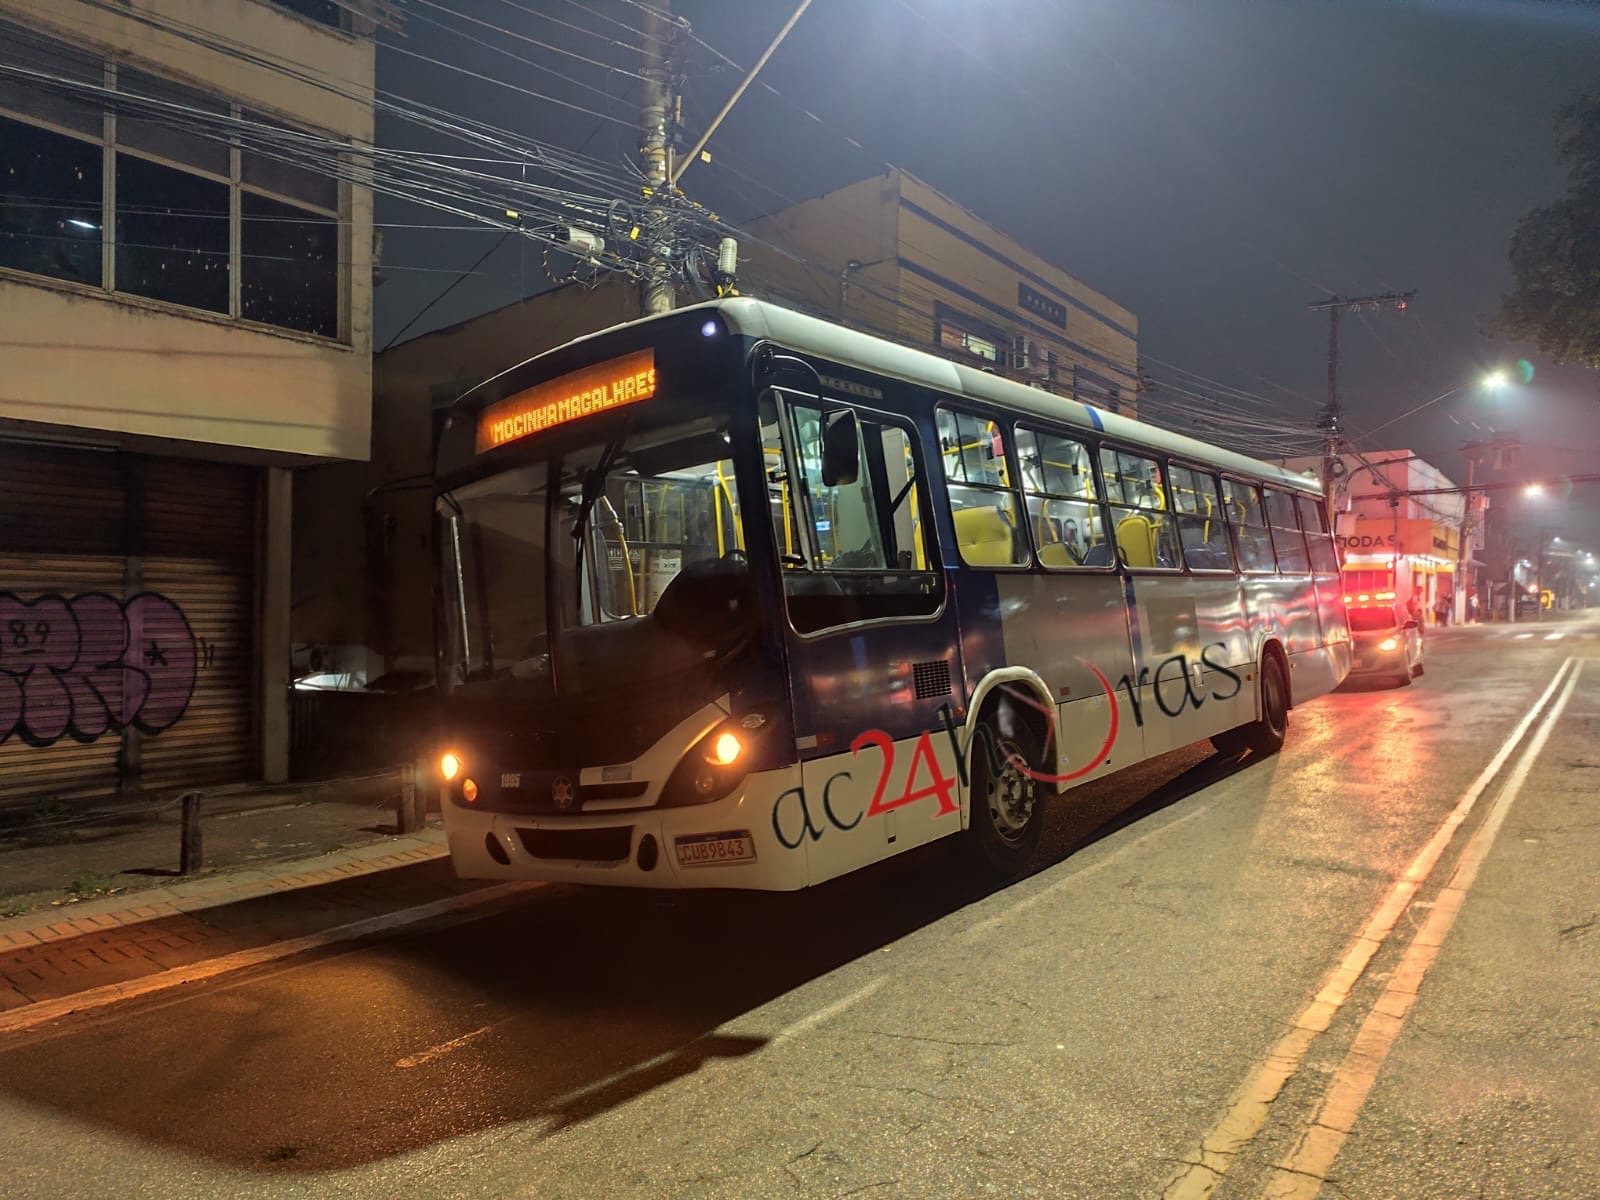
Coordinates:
1387	642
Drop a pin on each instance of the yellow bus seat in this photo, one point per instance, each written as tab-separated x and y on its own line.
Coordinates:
985	536
1058	554
1136	536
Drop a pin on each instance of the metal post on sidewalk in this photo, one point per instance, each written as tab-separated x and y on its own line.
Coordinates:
408	810
191	856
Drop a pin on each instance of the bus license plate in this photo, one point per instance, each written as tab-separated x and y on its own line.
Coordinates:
715	849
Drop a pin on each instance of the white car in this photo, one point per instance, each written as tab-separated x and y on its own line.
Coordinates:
1386	641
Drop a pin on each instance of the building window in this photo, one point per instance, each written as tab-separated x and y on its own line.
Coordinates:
157	129
323	12
50	203
202	217
172	235
289	259
959	334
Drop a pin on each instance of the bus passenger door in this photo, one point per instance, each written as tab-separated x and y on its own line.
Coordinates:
872	647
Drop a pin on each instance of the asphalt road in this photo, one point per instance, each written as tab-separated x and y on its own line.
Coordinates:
1238	980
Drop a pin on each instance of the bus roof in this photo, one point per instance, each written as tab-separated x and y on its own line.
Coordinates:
866	352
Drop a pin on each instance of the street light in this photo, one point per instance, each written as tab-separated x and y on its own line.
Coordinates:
1533	489
1494	381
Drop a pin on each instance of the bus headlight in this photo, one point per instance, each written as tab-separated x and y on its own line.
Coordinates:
716	764
450	766
725	750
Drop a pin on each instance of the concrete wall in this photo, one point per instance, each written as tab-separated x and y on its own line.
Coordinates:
84	358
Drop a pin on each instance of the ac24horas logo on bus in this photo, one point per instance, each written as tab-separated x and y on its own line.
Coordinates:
1171	670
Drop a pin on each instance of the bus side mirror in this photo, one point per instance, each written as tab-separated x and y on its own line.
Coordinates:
841	447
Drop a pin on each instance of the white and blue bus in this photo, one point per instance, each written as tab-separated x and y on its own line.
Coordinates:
734	597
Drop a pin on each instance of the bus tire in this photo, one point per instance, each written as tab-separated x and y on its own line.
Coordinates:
1007	819
1266	735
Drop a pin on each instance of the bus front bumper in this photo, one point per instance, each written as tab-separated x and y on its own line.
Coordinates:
728	843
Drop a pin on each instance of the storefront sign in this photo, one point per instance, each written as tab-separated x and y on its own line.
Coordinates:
1384	536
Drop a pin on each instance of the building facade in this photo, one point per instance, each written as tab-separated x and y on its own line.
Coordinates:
1392	541
888	254
895	257
185	306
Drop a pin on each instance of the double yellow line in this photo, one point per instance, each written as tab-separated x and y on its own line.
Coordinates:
1301	1173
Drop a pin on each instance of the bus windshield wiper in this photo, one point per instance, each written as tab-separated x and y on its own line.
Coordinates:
595	482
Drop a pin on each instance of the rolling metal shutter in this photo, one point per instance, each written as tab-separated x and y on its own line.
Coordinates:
127	619
199	552
61	525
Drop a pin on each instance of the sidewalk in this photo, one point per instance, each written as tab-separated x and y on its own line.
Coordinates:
106	906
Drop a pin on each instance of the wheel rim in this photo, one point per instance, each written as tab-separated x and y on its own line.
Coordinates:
1010	795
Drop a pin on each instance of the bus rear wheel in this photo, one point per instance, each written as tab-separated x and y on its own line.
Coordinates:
1266	735
1007	822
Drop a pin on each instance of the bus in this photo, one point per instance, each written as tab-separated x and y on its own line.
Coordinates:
734	597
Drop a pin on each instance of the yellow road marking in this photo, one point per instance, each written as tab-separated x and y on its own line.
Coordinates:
443	1048
1300	1176
1247	1113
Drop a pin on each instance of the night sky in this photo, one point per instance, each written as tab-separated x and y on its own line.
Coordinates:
1214	165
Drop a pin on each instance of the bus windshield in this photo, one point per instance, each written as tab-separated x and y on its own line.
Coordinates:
600	534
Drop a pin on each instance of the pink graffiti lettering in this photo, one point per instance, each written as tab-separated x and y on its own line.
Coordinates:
91	665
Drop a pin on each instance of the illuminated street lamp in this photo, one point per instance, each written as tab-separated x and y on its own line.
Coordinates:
1495	380
1533	489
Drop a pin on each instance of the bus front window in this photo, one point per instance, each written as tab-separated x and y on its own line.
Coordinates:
619	524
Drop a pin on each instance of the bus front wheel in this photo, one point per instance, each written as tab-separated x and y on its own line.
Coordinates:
1007	822
1266	735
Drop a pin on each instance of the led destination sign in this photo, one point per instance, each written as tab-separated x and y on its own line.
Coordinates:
596	389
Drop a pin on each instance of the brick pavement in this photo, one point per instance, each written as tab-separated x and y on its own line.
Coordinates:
51	954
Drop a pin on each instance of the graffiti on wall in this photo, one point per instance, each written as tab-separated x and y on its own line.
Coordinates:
91	665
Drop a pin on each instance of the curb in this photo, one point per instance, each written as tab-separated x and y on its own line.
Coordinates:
28	1016
97	916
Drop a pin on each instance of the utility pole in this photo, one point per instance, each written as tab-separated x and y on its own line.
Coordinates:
1472	452
656	294
1331	419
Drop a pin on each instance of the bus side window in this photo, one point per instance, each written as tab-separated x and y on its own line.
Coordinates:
1064	510
983	499
1248	522
1137	489
1287	539
1314	520
1201	526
